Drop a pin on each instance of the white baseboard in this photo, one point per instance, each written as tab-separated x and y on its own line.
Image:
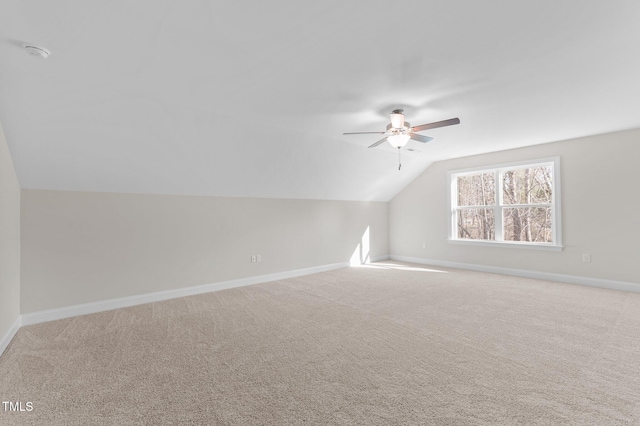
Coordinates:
106	305
547	276
380	258
10	333
123	302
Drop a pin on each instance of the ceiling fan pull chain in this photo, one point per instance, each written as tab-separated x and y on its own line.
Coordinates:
399	159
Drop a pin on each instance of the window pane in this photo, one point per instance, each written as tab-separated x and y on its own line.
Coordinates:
531	224
531	185
477	190
476	224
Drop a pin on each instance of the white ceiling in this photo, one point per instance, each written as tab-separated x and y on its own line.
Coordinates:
250	98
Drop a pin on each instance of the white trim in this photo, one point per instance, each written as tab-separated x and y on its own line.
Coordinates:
537	275
380	258
10	333
123	302
508	244
452	193
556	206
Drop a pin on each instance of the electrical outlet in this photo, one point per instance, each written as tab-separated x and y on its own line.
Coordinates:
258	258
586	258
253	258
424	245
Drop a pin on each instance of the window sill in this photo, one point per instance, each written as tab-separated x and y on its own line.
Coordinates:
509	245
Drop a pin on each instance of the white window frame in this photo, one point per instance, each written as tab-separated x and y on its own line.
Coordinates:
556	210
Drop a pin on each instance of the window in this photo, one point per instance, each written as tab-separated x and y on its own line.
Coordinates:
516	204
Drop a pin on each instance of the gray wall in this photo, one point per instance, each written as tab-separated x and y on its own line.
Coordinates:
600	207
80	247
9	240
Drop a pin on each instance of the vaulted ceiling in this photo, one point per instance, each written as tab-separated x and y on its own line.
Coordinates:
250	98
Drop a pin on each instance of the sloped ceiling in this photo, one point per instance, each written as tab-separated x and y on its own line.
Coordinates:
250	98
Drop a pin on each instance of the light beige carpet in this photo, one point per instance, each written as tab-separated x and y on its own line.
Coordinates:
386	344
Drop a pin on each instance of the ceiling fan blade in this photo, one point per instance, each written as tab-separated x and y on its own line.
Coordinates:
449	122
373	145
420	138
364	133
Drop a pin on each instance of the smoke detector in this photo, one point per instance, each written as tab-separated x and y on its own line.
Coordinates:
38	52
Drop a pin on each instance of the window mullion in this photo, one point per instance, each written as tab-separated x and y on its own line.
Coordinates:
497	210
524	206
554	203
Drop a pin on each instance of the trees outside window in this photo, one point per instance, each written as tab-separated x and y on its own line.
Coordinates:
507	203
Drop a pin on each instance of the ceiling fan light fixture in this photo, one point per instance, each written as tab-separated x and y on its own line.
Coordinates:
398	141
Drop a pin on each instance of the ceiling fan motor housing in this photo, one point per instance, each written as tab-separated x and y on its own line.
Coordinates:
397	118
405	129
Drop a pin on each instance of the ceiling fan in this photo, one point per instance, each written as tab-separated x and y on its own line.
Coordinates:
399	131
